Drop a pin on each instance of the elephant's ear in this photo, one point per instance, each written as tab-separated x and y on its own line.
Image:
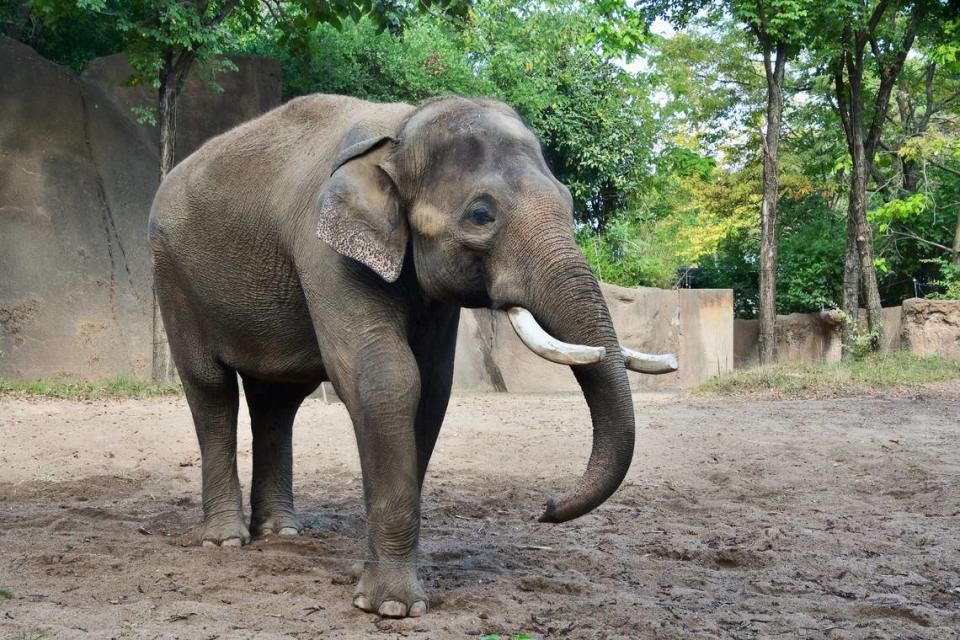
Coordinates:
360	213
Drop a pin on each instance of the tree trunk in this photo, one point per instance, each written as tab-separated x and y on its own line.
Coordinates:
857	216
768	209
956	241
851	293
171	81
858	230
859	234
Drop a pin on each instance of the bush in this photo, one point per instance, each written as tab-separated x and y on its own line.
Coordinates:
949	280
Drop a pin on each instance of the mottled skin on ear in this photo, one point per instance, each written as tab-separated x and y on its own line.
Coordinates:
419	212
359	212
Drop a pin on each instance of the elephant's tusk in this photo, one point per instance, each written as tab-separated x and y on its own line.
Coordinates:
548	347
646	363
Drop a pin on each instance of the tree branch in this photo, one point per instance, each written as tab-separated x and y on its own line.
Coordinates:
929	109
944	167
877	15
222	14
887	81
841	106
913	236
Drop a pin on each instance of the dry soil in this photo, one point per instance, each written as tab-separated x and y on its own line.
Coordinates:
741	518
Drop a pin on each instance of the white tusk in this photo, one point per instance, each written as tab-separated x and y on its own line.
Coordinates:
548	347
646	363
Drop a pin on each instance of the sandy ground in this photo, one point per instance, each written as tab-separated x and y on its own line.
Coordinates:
740	519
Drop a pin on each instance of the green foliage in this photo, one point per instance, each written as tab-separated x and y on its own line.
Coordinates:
5	595
810	264
594	119
549	63
116	388
627	254
876	373
898	210
362	60
67	32
657	136
948	280
947	50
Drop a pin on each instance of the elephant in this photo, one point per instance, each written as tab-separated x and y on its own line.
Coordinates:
335	239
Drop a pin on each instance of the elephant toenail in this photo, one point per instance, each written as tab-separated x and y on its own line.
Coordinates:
210	543
288	531
392	609
361	602
232	542
418	609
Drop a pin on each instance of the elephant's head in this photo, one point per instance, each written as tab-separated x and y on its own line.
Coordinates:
463	184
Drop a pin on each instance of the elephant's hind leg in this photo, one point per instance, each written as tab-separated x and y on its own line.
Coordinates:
214	399
273	407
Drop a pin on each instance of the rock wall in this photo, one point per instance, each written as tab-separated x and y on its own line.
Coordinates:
923	327
77	177
696	324
205	109
931	327
76	182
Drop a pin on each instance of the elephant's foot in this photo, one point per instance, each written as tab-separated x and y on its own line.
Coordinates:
393	591
275	522
224	530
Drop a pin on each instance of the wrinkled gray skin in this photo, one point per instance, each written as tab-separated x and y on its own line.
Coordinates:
419	212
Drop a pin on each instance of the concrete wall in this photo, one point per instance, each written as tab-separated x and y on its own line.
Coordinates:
77	176
697	324
801	337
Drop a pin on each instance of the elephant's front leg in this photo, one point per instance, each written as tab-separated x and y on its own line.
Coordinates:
382	396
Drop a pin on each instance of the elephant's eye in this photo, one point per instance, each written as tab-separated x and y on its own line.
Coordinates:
481	214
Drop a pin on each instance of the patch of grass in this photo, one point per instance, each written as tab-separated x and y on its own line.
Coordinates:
5	595
873	374
117	388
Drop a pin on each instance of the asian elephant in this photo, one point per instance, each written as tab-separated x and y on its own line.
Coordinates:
336	239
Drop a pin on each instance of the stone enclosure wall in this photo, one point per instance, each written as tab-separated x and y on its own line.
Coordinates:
931	327
78	174
923	327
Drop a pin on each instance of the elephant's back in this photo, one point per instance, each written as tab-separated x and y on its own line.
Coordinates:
270	169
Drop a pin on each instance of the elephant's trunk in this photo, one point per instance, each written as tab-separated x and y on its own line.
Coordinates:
565	298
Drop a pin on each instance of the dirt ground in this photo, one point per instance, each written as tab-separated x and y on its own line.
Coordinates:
741	518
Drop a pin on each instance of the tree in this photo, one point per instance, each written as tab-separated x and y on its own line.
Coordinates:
889	29
778	26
